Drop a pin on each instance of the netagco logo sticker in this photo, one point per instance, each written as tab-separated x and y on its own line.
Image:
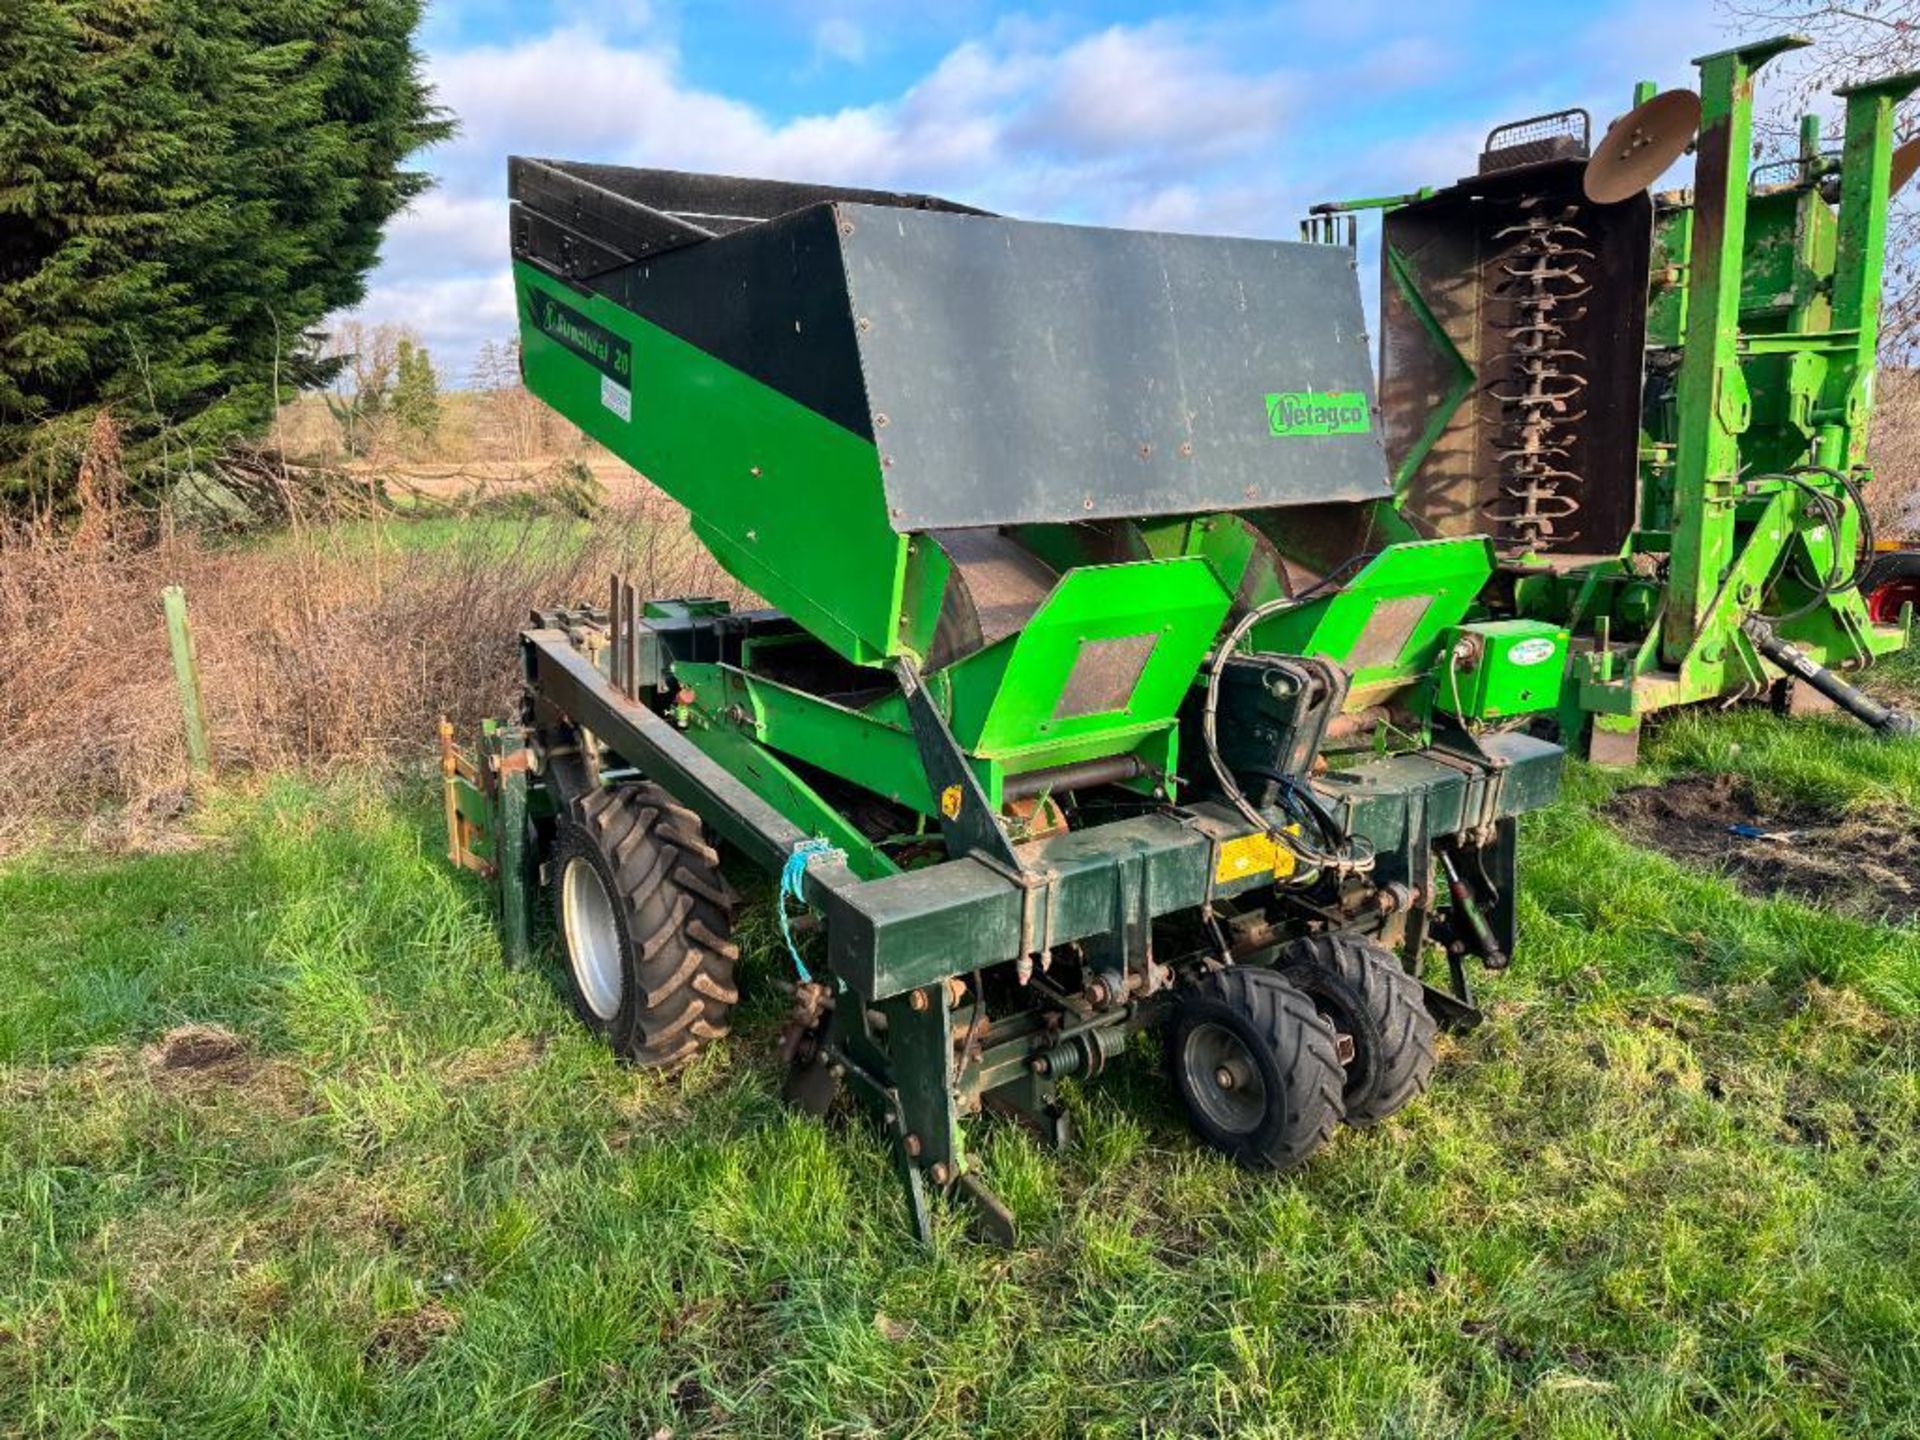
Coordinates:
1312	412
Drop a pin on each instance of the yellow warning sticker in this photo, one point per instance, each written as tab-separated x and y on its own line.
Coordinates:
950	802
1248	856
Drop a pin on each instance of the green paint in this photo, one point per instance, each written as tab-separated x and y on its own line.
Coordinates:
789	502
1314	412
1417	590
505	748
782	787
1013	700
1494	669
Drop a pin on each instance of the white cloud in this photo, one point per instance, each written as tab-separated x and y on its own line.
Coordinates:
840	38
1120	125
1147	93
1229	126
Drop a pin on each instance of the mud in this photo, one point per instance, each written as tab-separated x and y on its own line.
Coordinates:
405	1340
196	1047
1865	866
209	1065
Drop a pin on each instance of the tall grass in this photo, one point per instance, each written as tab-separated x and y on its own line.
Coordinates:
328	643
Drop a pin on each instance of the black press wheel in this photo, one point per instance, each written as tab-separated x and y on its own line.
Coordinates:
1257	1067
1367	996
646	921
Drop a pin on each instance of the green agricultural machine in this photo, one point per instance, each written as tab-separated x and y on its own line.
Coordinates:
1656	405
1105	688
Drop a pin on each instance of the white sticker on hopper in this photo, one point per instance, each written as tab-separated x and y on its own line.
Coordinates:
616	397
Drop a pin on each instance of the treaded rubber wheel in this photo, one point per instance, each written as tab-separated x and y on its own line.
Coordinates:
646	924
1892	580
1256	1066
1365	993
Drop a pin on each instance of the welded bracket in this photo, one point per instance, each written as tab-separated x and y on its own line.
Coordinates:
967	818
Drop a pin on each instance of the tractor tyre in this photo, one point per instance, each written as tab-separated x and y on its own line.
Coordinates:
1255	1064
1366	995
1892	581
646	923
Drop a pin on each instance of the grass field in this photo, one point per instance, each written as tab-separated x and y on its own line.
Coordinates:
1671	1186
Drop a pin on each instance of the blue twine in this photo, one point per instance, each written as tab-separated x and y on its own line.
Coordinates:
793	886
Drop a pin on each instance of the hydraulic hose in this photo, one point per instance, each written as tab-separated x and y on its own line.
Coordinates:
1340	856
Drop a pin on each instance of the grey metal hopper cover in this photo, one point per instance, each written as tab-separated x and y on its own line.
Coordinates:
1025	373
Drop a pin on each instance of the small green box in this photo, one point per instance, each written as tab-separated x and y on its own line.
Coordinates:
1492	669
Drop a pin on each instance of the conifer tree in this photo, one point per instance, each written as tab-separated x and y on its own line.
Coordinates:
415	403
186	188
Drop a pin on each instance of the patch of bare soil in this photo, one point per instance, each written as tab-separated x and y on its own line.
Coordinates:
195	1047
1867	866
205	1063
406	1339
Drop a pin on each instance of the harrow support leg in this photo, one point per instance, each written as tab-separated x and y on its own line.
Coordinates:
903	1070
505	755
1614	740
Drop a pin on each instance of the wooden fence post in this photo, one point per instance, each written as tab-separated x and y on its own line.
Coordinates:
186	674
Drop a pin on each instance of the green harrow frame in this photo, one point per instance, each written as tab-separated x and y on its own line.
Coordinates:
1708	535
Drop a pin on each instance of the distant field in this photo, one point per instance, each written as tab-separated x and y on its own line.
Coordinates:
1672	1185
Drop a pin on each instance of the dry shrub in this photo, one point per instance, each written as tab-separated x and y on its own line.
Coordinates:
1894	496
330	643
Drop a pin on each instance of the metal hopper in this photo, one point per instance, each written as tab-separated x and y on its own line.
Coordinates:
976	443
1084	562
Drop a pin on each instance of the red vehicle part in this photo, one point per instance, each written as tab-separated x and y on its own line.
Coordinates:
1893	580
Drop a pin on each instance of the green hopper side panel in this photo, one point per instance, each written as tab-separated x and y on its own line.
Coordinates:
1385	624
1107	659
787	500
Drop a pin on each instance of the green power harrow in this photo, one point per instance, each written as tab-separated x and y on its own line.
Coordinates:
1657	405
1106	687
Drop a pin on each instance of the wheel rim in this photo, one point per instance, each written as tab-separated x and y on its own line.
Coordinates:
1884	602
593	938
1224	1079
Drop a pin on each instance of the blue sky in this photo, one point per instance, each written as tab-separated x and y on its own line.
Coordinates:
1217	117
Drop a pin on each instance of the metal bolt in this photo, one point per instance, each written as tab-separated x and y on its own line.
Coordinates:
912	1142
753	470
940	1173
863	324
956	990
1223	1077
918	1000
879	420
